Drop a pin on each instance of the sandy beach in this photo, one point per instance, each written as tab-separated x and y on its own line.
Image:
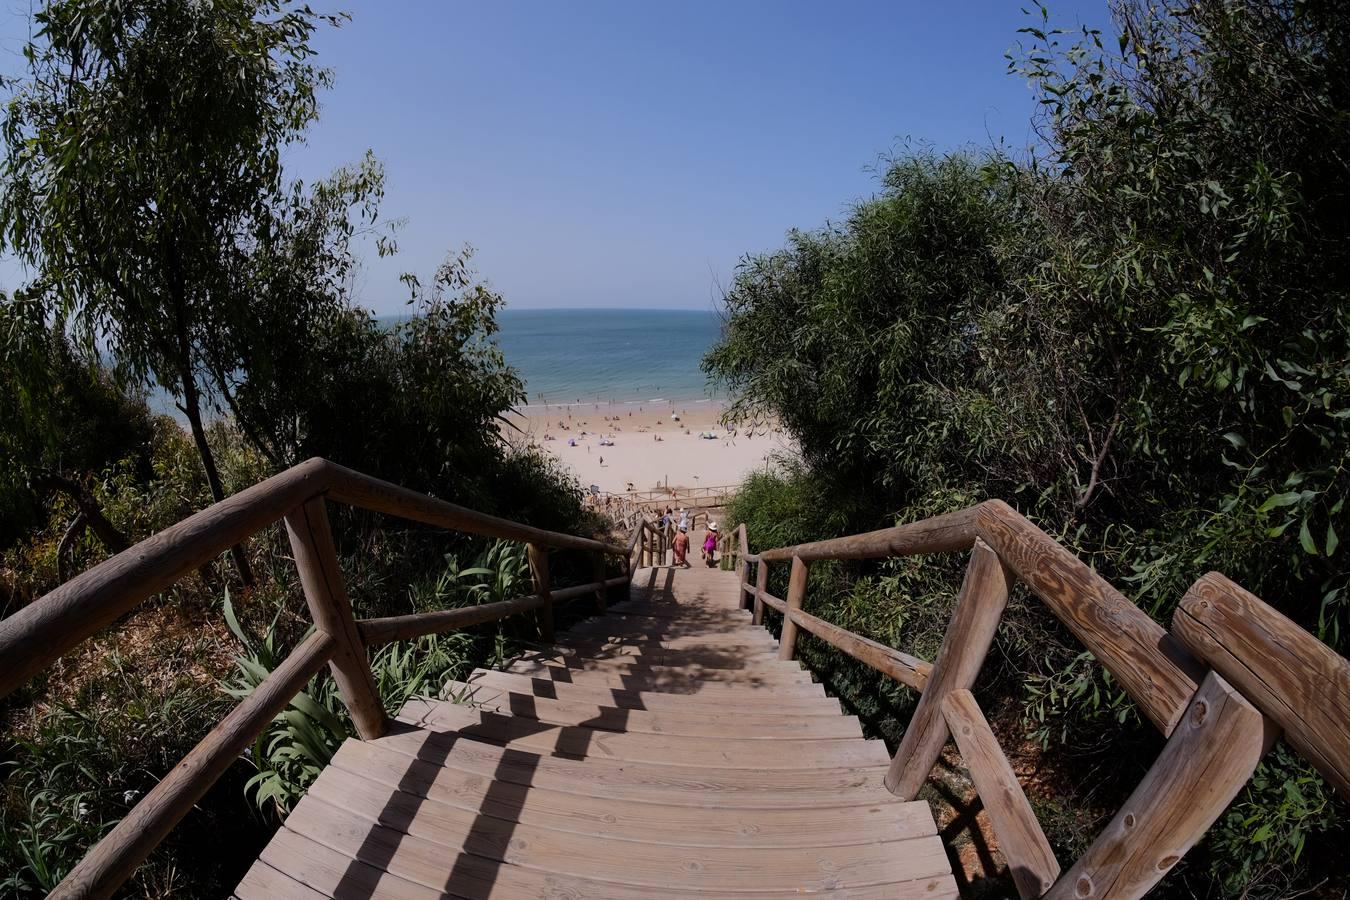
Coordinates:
644	447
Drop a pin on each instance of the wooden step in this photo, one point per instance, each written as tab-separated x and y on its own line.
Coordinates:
422	846
677	785
581	742
674	679
705	723
660	751
334	873
861	822
658	701
665	663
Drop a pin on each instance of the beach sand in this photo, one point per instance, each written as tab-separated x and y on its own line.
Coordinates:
681	458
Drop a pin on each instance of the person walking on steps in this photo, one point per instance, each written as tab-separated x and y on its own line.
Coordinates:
710	546
682	547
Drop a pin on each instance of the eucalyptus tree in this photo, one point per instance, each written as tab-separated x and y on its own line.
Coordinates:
143	162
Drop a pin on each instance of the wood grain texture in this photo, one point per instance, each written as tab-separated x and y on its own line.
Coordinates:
1151	665
1287	673
787	641
331	610
375	632
356	489
1023	844
979	607
906	669
34	636
1207	760
761	585
538	555
113	859
940	534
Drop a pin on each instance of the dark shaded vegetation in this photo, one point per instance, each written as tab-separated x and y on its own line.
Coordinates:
142	187
1138	337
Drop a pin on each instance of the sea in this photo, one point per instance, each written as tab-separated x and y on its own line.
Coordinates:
583	356
620	355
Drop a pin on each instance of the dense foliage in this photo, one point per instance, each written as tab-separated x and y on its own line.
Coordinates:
142	186
1140	337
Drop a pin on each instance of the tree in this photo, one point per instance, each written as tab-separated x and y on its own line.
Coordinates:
143	160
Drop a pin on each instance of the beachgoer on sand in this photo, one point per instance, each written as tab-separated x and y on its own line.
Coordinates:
682	547
710	545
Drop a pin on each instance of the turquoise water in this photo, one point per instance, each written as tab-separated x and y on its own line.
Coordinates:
589	355
585	355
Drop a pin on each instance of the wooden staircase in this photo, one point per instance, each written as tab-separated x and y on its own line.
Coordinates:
661	750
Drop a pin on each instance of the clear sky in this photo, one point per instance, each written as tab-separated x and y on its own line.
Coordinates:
627	154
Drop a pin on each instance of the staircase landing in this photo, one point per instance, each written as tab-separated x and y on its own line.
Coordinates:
660	750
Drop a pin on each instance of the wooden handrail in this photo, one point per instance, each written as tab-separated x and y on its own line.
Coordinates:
33	637
113	859
1281	677
36	635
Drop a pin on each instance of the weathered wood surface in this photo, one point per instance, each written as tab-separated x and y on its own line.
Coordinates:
1283	670
979	607
940	534
331	609
787	641
1023	844
114	858
689	788
1209	757
33	637
538	555
1150	664
906	669
761	586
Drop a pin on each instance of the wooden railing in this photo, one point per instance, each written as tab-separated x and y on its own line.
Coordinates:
35	636
1221	686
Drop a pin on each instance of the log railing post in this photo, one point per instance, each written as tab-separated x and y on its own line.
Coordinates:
331	609
984	594
787	642
538	554
598	572
761	587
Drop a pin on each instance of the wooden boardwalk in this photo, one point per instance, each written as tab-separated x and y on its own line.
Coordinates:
662	750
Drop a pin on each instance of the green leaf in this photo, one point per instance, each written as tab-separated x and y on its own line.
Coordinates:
1286	499
1306	539
1333	541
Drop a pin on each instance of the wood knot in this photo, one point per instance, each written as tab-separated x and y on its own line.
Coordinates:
1199	712
1167	862
1083	887
1129	820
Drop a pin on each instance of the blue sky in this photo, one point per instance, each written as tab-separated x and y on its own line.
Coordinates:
627	154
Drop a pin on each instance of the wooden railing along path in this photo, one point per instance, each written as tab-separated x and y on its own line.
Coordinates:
35	636
1230	676
1222	685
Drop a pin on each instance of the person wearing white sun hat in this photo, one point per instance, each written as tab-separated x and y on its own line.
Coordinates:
710	545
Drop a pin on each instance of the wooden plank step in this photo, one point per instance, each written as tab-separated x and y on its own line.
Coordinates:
716	641
659	701
678	785
618	621
675	679
415	847
334	873
581	742
635	820
715	667
673	613
706	723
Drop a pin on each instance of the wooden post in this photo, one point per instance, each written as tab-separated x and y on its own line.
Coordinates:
598	570
331	610
787	644
1207	760
538	554
761	586
984	594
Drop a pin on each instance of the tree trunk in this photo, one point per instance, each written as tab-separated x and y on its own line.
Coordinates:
192	409
90	512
